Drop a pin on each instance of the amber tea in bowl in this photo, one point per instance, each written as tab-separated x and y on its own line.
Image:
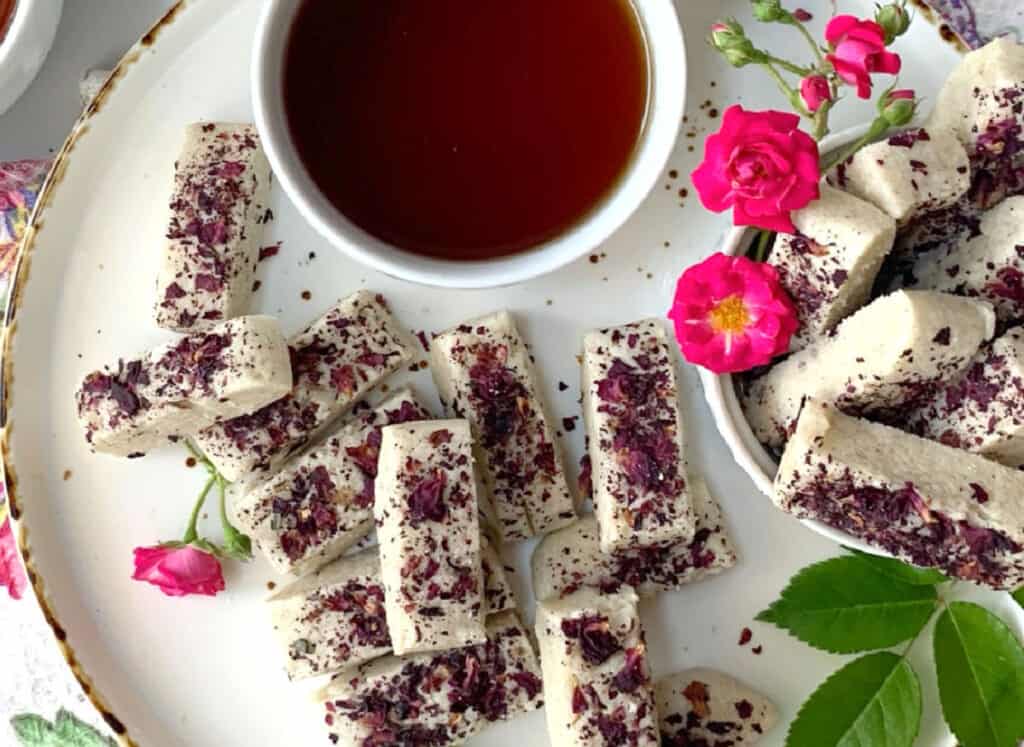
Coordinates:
468	143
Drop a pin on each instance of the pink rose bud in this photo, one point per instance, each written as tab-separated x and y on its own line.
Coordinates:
802	15
178	570
858	52
903	93
815	91
762	166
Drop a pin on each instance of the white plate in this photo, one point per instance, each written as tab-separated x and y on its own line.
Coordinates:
202	672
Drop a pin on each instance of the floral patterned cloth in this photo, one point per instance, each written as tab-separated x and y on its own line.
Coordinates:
977	21
20	182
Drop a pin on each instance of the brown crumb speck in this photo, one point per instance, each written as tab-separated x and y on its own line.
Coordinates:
67	475
306	295
190	462
271	585
594	259
756	650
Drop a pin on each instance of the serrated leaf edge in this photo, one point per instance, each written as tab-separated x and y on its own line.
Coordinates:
901	661
949	612
770	615
842	651
867	558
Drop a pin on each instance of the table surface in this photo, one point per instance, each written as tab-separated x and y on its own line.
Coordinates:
92	35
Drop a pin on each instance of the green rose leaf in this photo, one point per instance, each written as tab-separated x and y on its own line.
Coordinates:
874	701
901	571
1019	596
31	730
980	668
845	605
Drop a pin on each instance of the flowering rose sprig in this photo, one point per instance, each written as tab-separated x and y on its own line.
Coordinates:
192	565
853	52
732	314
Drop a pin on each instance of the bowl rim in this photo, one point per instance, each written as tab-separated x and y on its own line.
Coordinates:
666	103
720	392
19	22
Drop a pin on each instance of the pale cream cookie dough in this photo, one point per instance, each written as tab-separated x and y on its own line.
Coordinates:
178	389
706	707
988	265
881	360
636	438
830	264
321	503
926	503
440	698
982	410
571	558
336	361
981	100
428	530
218	208
909	175
485	373
334	618
597	684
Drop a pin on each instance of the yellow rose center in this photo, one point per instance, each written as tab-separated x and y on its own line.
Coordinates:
730	316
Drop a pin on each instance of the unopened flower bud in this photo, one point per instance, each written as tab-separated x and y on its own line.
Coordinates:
729	38
894	19
815	90
899	107
769	11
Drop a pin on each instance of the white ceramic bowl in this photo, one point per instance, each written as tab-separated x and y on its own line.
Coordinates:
667	63
24	48
720	393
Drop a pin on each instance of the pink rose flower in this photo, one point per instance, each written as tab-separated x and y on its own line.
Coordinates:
761	165
12	574
815	91
179	570
859	51
732	314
